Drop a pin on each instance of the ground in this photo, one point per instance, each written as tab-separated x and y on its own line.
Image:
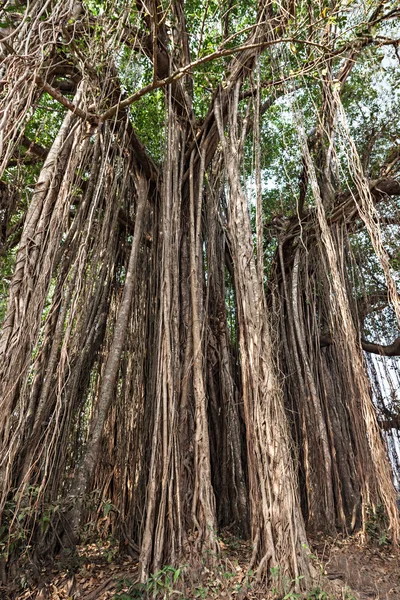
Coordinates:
372	573
353	570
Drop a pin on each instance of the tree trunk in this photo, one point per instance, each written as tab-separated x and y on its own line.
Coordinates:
109	375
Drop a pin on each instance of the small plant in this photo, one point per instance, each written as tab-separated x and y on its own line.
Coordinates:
376	525
110	550
317	594
228	575
283	585
231	542
247	583
159	585
275	575
349	596
383	539
134	591
20	510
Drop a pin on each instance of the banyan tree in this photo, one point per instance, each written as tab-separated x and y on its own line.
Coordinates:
199	227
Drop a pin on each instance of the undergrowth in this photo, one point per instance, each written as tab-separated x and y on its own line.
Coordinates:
169	582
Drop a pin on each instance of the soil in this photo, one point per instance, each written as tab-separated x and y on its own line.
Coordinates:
371	573
349	570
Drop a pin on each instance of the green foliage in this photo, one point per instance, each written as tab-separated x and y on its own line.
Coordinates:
27	517
317	594
208	25
127	590
200	592
6	271
20	512
148	120
377	525
349	596
46	121
160	585
283	586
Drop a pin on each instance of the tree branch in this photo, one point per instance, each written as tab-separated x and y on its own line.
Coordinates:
380	188
179	73
391	350
326	339
391	421
34	148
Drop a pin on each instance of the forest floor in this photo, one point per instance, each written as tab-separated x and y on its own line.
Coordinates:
353	570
